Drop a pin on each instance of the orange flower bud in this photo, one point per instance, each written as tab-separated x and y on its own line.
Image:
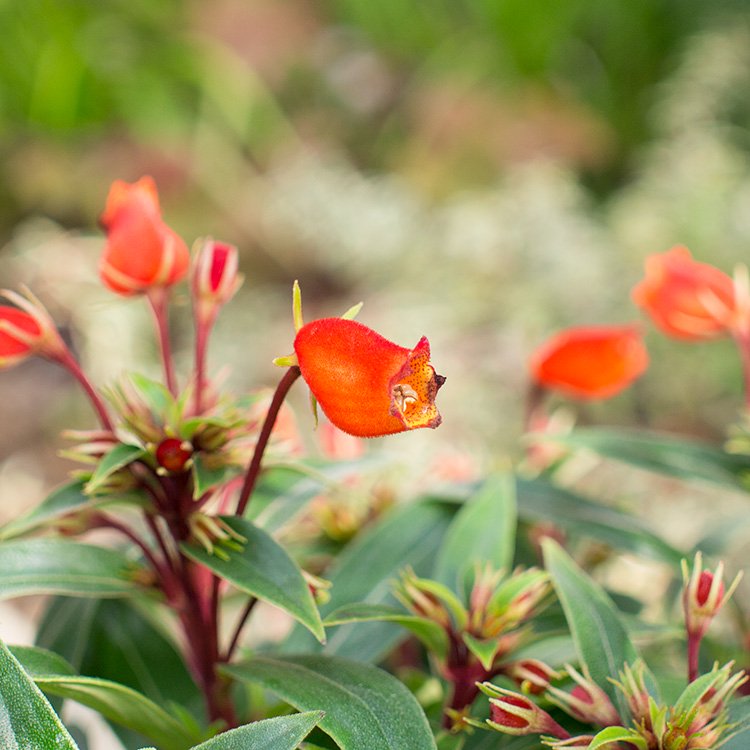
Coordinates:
686	299
367	385
18	331
141	251
590	362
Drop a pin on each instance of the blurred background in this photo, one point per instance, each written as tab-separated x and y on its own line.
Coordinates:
483	172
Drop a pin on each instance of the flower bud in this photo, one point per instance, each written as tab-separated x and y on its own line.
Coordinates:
141	250
173	454
581	742
513	713
366	385
532	675
587	702
590	362
18	333
686	299
215	277
703	595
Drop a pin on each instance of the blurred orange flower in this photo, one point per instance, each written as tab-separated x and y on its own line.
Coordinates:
141	251
366	385
686	299
18	331
590	362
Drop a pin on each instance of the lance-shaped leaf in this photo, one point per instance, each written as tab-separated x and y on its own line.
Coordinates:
605	739
26	717
484	530
119	457
58	566
601	639
279	733
689	460
430	633
38	661
263	568
122	705
364	706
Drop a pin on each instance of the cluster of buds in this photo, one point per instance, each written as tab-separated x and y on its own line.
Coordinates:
696	721
480	636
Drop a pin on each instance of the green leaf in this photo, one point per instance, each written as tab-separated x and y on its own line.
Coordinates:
122	705
263	568
538	500
429	632
27	720
38	661
609	735
364	706
408	535
601	640
484	650
119	457
206	477
738	737
484	530
279	733
57	566
155	395
689	460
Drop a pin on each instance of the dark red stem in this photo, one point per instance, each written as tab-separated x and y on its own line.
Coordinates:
158	298
69	363
253	470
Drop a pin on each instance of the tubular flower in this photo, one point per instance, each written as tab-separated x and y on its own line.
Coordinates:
215	277
684	298
367	385
18	331
141	251
590	362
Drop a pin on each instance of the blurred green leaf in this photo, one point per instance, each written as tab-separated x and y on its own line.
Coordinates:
207	477
408	535
364	706
119	457
57	566
689	460
484	650
538	500
739	716
428	631
122	705
38	661
483	530
26	718
263	568
604	739
279	733
601	639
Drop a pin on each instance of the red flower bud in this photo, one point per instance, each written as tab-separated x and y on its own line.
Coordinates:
703	595
367	385
590	362
172	454
684	298
141	251
215	278
513	713
18	330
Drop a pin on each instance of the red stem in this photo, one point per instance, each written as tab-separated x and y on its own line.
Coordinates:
253	470
238	628
203	326
158	298
693	650
69	363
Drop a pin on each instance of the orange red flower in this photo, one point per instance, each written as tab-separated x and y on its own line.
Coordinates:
18	332
141	251
590	362
366	385
686	299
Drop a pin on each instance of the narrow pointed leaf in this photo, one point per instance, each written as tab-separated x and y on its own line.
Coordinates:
119	457
364	706
484	650
606	737
689	460
429	632
484	530
206	477
58	566
601	640
122	705
26	718
279	733
38	661
263	568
